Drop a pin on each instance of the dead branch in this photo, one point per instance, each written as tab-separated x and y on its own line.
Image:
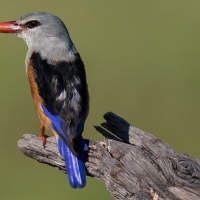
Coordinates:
133	164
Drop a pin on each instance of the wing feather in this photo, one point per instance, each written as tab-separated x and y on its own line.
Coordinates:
63	89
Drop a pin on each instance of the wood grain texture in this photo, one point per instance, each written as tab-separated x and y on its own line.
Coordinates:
133	164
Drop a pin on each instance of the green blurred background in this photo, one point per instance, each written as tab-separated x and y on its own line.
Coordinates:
142	61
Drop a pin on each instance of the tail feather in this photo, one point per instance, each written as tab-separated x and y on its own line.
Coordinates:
74	165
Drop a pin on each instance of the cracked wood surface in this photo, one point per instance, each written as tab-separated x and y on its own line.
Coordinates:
133	164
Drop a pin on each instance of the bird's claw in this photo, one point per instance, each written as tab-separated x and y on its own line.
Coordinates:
43	138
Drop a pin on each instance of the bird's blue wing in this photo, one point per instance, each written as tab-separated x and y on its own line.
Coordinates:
57	125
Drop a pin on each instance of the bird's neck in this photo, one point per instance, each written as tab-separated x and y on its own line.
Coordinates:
53	52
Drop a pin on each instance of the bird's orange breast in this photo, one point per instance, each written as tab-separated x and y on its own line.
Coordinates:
36	97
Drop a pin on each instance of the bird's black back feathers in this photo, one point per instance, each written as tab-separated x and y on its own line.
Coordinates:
63	89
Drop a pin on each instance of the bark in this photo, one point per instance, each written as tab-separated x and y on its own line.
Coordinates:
133	164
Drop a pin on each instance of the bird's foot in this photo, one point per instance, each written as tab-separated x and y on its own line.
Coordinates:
43	138
42	135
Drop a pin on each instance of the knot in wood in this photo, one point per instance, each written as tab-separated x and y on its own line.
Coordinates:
189	170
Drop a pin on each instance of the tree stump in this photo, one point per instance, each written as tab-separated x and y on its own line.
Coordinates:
133	164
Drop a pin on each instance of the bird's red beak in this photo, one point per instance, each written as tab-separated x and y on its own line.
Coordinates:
10	27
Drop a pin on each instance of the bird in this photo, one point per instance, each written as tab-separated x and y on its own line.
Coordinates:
57	79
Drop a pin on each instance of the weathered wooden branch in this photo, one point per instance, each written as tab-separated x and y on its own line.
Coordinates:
132	164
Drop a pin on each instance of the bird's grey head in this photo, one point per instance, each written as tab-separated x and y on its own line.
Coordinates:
45	33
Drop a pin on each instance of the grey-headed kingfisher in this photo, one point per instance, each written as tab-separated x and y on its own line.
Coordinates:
57	79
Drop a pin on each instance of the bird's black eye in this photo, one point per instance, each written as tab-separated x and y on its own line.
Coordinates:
32	24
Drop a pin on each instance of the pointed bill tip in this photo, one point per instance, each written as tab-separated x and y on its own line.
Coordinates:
10	27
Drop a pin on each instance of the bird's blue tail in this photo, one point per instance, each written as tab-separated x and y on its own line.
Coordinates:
74	165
